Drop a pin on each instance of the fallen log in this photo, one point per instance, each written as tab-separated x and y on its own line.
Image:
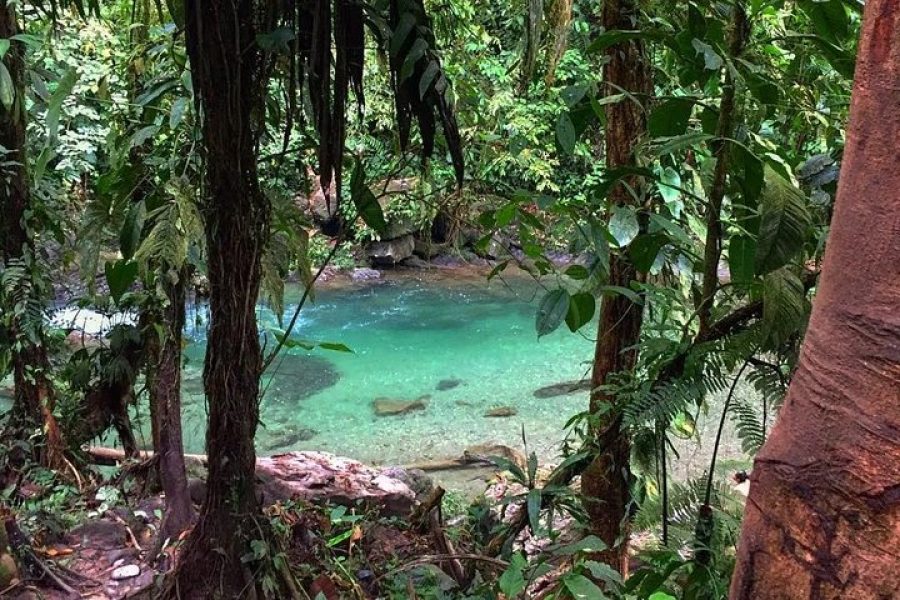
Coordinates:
111	457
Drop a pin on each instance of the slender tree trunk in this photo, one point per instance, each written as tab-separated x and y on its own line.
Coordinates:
164	387
32	404
823	516
605	484
226	66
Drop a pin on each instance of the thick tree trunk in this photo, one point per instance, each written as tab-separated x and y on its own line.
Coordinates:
605	484
164	387
226	69
32	404
823	516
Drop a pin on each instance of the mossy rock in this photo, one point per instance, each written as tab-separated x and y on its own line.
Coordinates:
9	571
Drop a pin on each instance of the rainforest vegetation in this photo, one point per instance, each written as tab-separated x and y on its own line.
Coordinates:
234	221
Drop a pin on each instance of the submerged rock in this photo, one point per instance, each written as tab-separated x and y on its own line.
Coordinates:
300	376
385	407
324	478
562	389
502	411
448	384
288	436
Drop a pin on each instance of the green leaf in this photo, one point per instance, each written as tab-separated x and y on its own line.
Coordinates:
533	503
581	310
512	581
623	225
600	241
365	201
784	221
428	76
335	347
711	60
741	258
130	236
565	133
611	290
120	276
7	88
829	19
590	543
4	47
552	311
669	180
679	142
644	250
661	596
582	588
671	117
784	305
54	106
577	272
604	573
177	113
573	94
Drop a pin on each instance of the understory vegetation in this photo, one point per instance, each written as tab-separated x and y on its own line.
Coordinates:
664	171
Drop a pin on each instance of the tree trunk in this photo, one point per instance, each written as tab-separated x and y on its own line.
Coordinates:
823	516
164	387
227	70
605	484
32	404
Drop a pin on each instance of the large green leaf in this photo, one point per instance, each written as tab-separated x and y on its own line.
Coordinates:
644	250
54	107
552	311
784	305
7	88
581	310
565	133
741	258
582	588
671	117
623	225
784	222
365	201
130	235
120	275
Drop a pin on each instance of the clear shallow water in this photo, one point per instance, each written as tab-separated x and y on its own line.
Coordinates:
408	335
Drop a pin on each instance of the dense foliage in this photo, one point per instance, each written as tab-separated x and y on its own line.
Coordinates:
732	185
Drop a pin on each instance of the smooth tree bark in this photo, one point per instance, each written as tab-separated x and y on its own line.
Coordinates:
227	67
33	400
823	516
605	484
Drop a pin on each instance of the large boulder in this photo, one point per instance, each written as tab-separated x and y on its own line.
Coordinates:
391	251
321	477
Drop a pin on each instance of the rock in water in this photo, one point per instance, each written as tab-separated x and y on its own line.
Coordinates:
365	274
502	411
289	437
390	252
562	389
125	572
321	477
300	376
387	407
448	384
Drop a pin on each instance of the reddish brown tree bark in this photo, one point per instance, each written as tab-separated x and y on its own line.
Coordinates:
605	485
228	75
823	516
33	401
